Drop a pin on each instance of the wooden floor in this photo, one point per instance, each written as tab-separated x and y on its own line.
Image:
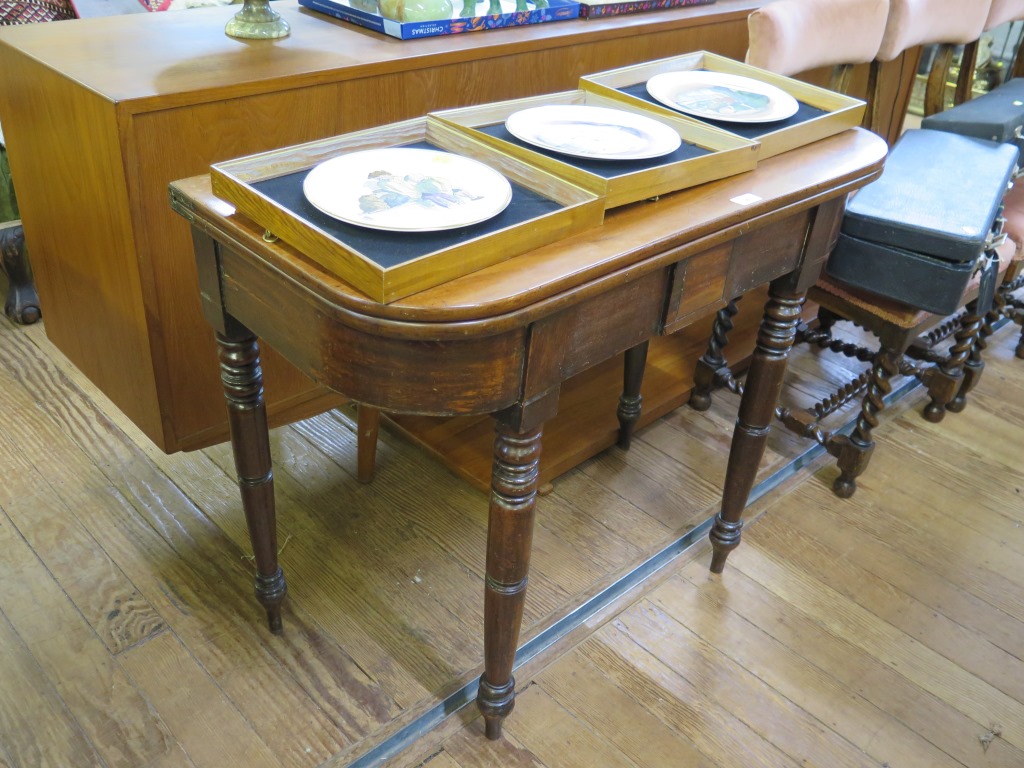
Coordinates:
882	630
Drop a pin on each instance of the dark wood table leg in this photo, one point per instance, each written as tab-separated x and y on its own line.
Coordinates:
509	538
250	442
630	402
757	408
367	431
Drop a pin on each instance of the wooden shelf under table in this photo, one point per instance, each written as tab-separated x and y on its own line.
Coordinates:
586	423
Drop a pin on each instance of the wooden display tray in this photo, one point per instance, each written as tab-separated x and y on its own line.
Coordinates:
359	256
829	112
713	153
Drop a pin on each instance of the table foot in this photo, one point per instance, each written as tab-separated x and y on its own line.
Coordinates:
270	591
854	455
725	537
495	702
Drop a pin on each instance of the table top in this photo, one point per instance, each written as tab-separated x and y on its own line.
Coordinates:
634	239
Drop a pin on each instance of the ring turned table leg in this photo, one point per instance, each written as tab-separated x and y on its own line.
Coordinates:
757	408
631	403
509	538
242	378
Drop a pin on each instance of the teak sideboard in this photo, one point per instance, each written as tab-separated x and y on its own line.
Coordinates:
101	114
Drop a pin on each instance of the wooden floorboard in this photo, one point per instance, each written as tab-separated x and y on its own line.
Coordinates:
883	629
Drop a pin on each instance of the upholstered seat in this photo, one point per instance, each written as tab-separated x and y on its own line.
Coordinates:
846	32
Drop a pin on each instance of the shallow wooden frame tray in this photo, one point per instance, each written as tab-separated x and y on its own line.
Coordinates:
717	153
830	112
356	257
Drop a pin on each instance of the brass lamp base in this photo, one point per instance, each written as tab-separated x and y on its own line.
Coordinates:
257	21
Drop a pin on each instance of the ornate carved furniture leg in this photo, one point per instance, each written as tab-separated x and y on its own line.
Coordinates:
945	381
509	537
854	453
630	402
975	364
757	407
22	302
250	442
367	429
713	360
1012	307
1020	343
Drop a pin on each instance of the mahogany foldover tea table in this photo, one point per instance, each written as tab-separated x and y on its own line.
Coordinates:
502	340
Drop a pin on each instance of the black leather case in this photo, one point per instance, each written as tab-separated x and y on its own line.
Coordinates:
923	282
916	233
938	195
997	115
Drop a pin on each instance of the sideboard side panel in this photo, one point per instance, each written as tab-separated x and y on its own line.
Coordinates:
66	161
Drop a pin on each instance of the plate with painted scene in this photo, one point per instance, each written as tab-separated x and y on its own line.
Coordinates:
600	133
407	189
722	96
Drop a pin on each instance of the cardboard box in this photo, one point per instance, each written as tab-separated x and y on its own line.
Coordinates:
367	14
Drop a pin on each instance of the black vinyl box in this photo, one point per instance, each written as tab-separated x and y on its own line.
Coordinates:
915	234
923	282
997	115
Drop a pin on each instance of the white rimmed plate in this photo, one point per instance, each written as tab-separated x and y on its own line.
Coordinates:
593	132
721	96
404	189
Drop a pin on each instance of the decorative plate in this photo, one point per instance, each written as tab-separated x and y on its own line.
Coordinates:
593	132
721	96
402	189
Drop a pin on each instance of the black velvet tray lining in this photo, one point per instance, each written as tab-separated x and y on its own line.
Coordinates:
606	169
804	113
391	249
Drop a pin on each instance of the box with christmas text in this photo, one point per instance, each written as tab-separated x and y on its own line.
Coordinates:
408	19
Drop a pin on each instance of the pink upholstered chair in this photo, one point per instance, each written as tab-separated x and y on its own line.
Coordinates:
795	36
1001	12
947	23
